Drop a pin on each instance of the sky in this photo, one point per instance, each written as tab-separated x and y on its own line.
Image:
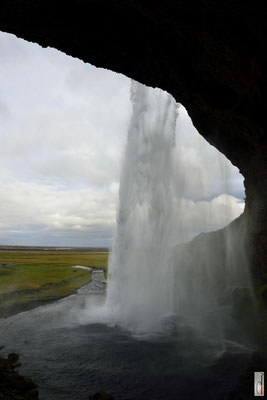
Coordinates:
63	129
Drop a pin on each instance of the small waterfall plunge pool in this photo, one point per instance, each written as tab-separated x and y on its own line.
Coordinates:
69	353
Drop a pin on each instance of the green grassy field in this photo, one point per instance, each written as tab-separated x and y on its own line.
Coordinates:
31	278
88	258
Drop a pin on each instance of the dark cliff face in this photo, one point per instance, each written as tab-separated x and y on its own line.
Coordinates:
208	54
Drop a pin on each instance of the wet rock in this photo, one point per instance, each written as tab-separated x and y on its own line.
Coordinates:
242	302
101	396
12	385
264	296
13	358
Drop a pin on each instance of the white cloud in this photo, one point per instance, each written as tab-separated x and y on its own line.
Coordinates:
53	206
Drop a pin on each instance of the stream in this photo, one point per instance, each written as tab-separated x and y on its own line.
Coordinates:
70	350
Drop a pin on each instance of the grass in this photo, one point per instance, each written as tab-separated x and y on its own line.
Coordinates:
31	278
88	258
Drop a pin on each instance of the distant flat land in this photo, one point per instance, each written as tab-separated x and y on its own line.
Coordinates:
54	248
31	276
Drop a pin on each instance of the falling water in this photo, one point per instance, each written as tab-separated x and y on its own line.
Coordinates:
154	285
140	287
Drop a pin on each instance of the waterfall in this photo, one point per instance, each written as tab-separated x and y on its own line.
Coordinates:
140	286
153	284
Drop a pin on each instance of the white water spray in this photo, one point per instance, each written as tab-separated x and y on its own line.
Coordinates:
140	288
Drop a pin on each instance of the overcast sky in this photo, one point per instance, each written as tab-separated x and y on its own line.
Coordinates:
63	128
